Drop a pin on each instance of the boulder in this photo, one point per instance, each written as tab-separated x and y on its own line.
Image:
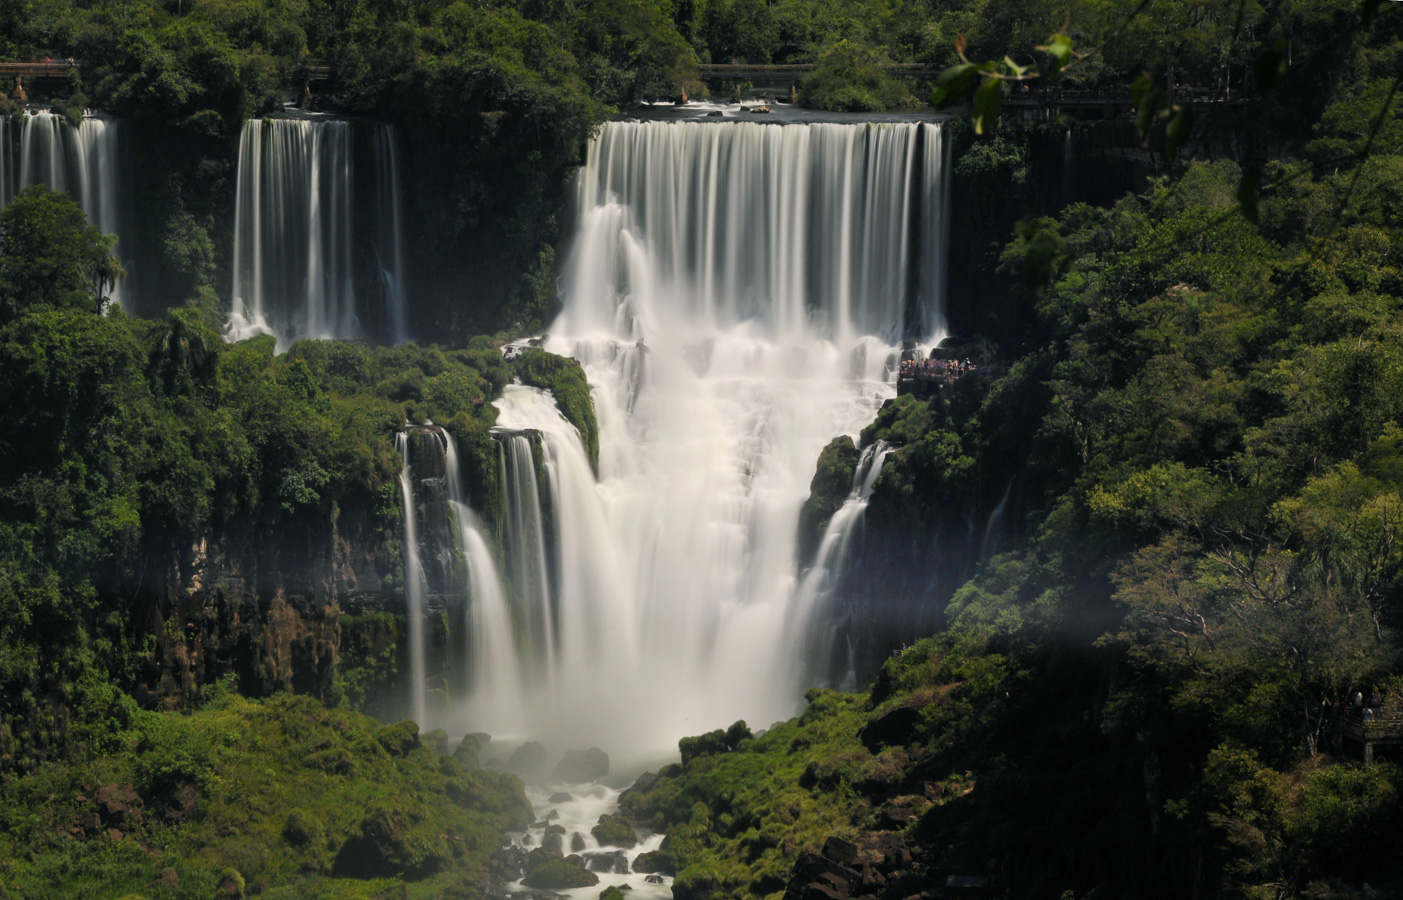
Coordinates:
615	831
839	850
469	750
560	874
654	879
577	842
654	861
561	797
527	760
580	766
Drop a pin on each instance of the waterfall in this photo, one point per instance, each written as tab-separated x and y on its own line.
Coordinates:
524	532
796	226
86	162
821	580
994	528
1069	161
413	584
733	292
317	240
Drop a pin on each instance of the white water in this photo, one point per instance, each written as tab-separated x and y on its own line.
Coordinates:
84	162
589	802
813	603
732	294
414	587
317	241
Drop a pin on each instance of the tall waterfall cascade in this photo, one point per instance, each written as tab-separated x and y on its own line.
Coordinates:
86	162
734	293
318	245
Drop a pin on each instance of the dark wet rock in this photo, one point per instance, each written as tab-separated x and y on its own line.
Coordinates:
645	782
561	797
654	879
653	861
839	850
821	878
579	766
615	831
560	874
614	862
555	843
540	855
577	842
509	864
555	829
552	815
527	760
625	887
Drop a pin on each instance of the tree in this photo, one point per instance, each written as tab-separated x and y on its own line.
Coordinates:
51	256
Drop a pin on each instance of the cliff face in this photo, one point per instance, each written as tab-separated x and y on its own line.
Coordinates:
300	610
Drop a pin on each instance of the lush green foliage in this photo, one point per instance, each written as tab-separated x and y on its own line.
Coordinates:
287	798
51	256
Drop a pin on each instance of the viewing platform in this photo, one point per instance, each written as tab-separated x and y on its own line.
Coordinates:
1370	733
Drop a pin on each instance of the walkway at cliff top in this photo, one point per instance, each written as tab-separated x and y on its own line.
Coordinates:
58	69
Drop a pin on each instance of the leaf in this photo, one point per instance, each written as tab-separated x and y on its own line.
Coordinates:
1270	68
1152	105
986	105
1247	190
1014	67
1369	10
1059	47
1139	88
950	87
1177	131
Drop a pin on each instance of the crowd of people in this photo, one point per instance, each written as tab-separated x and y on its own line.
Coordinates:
944	371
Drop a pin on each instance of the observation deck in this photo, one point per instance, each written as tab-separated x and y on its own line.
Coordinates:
1384	731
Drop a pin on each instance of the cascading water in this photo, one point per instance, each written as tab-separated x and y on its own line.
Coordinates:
819	582
317	241
85	162
732	294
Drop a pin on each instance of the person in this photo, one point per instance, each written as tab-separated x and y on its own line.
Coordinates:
1358	699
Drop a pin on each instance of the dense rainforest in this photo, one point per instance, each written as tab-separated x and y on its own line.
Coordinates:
1114	594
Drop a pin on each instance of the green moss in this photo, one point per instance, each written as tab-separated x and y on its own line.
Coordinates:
565	379
560	874
615	831
831	484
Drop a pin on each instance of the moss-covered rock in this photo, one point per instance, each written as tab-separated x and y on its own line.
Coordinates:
560	874
831	484
579	766
615	831
566	381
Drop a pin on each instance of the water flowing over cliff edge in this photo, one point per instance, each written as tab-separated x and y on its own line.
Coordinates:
734	293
